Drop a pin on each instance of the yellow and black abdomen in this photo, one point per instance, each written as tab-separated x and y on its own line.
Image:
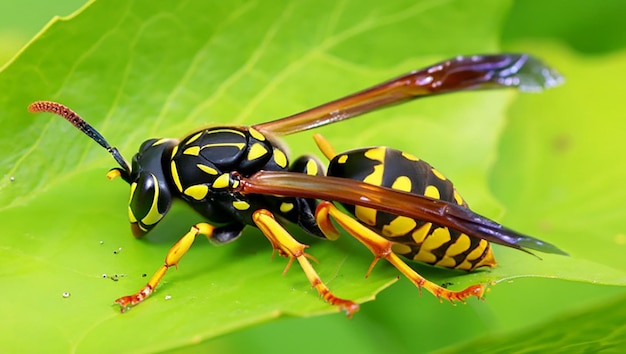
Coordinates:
414	239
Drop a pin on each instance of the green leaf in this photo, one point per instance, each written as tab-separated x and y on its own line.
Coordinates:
579	24
598	329
138	69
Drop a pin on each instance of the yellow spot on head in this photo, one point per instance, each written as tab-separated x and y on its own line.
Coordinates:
280	158
402	183
222	181
207	169
286	207
256	134
174	151
438	174
342	159
197	192
193	151
241	205
432	191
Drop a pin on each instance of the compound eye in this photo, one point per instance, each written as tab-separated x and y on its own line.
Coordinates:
149	202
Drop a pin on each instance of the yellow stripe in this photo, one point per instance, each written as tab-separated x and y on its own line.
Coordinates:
461	245
437	238
399	226
174	151
420	234
226	130
239	146
176	177
153	215
194	138
207	169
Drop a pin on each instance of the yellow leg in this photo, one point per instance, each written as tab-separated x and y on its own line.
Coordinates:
324	146
287	246
171	259
381	248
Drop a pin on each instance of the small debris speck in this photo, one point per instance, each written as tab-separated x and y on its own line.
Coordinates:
66	294
11	178
167	297
101	242
104	275
144	275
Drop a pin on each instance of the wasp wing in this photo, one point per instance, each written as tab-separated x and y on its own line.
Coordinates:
348	191
461	73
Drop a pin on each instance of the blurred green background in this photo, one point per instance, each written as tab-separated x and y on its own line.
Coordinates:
589	34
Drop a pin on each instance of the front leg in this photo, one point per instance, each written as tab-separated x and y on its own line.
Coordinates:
173	257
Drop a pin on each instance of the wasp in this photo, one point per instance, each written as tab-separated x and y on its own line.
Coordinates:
396	205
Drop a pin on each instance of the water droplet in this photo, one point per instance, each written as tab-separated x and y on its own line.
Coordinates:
66	294
167	297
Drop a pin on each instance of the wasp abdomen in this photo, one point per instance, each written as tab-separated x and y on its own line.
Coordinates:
414	239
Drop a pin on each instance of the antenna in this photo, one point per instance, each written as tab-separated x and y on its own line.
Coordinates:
71	116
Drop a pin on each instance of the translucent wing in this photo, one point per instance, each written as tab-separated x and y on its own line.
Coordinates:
462	73
348	191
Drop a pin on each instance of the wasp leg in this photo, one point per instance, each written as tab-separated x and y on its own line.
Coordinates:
171	259
324	145
287	246
381	248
